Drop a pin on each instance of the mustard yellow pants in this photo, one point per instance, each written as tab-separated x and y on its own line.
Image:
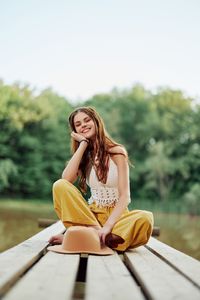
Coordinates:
135	226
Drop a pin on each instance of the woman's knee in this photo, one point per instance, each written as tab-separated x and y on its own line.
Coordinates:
60	190
146	226
144	229
60	184
146	217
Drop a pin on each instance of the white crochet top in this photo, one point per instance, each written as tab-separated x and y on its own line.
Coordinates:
104	195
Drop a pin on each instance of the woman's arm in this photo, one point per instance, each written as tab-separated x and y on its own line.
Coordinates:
123	189
70	173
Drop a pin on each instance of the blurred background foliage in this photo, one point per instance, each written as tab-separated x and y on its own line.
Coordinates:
160	131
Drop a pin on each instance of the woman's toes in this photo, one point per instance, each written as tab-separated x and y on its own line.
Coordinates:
56	240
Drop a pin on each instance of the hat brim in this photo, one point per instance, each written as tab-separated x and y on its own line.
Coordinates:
58	248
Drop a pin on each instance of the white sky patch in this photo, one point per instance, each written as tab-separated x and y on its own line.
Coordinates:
81	48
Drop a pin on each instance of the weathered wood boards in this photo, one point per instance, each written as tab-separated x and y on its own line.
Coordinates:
158	279
185	264
154	271
52	278
43	223
108	278
15	261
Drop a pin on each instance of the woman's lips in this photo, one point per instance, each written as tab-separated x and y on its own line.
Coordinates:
85	130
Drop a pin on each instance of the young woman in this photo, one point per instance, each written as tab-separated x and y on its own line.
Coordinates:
102	164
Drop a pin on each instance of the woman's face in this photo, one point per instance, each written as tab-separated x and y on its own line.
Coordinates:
84	125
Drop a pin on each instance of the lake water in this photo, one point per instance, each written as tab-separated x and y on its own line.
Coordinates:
19	221
17	224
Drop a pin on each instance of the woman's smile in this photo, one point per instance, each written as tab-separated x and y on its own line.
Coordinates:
85	130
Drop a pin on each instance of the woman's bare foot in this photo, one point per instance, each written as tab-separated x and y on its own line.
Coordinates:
56	239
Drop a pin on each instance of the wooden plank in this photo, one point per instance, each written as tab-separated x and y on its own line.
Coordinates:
186	264
15	261
107	278
45	222
158	279
53	277
156	231
45	234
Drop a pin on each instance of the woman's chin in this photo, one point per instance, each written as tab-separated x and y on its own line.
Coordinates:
89	136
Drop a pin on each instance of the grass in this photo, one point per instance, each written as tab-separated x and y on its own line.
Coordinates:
170	206
27	205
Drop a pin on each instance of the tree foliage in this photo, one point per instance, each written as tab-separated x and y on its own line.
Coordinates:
160	131
34	143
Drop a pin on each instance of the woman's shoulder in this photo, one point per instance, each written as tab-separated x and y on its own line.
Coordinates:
116	150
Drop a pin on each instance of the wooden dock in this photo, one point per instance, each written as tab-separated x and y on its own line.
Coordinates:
155	271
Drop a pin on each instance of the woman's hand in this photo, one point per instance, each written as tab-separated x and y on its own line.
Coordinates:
103	233
78	137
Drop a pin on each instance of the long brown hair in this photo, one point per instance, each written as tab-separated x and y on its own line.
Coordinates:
99	148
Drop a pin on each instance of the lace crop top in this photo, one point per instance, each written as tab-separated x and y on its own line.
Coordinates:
104	195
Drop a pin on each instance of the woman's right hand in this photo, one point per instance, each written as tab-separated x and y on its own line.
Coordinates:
78	137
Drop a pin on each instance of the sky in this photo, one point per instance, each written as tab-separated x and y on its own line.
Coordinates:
84	47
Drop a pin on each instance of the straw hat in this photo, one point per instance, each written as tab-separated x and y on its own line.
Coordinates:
81	239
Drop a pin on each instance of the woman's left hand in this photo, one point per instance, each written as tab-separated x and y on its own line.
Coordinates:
103	233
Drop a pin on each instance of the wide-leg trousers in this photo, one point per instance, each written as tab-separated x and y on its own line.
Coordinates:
134	227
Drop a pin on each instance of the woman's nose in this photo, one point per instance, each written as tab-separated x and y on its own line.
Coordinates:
83	126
